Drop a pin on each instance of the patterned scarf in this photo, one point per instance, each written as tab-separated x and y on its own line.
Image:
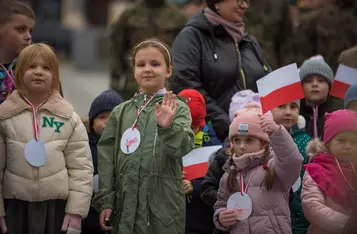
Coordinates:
236	30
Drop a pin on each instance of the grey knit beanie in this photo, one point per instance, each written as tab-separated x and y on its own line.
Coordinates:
316	67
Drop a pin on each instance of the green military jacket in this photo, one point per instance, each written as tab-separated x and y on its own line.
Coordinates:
144	189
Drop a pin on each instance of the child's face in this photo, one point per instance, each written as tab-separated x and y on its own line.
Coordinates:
16	34
38	77
286	115
151	71
316	89
344	146
247	144
100	122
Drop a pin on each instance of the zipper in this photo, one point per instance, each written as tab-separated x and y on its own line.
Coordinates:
241	69
151	174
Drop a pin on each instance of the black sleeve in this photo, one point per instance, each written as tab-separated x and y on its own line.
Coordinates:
210	184
186	51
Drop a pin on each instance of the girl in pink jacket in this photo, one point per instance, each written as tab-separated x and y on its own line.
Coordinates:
329	186
253	196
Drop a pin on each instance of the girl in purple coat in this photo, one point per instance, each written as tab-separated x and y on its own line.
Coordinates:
253	196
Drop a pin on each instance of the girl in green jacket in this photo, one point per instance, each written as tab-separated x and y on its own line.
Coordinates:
140	152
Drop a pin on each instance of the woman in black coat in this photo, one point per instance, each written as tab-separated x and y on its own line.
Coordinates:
214	54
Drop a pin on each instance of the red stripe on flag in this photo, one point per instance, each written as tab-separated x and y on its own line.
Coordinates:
282	96
196	171
339	89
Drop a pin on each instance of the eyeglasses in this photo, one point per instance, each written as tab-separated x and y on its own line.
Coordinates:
240	2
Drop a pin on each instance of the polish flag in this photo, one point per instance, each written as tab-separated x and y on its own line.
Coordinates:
345	77
280	87
195	163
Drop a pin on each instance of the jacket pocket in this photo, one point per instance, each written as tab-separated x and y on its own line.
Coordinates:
163	217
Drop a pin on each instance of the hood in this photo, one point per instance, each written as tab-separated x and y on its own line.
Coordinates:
199	21
315	147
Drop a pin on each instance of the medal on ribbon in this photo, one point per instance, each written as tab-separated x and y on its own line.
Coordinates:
35	151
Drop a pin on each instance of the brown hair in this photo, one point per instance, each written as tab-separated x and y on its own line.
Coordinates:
268	180
269	177
154	43
14	7
28	56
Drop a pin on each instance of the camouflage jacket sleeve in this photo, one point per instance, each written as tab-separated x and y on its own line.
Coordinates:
118	47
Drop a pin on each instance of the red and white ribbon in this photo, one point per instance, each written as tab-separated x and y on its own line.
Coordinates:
36	127
241	183
138	112
344	177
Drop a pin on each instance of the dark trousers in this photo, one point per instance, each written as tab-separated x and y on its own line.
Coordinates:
45	217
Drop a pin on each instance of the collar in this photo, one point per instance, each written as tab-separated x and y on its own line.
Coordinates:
15	104
248	161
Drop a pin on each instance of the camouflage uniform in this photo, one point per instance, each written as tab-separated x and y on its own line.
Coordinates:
134	25
349	57
270	22
327	31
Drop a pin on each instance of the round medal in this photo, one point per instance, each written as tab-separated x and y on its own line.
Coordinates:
35	153
241	203
130	141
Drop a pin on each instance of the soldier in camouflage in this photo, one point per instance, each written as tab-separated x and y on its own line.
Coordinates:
150	18
271	23
326	31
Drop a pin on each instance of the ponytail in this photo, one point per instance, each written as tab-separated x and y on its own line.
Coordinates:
269	177
233	184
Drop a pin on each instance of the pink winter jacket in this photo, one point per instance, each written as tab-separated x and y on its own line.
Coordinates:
325	216
270	214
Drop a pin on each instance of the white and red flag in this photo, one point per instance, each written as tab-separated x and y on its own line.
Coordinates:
345	77
195	163
280	87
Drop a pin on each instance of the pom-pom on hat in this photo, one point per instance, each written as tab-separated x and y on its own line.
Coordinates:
247	123
337	122
197	105
316	66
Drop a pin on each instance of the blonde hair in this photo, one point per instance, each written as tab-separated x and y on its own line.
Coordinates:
28	56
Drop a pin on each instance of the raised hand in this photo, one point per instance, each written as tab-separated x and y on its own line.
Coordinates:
267	124
166	112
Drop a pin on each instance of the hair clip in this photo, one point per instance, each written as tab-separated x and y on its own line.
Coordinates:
265	166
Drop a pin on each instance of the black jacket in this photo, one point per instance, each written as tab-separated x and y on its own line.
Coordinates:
206	58
91	223
332	104
210	184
